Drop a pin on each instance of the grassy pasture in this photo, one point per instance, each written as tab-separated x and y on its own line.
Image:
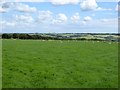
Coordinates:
59	64
0	64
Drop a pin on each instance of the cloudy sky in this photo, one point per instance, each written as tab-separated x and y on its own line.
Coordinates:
63	16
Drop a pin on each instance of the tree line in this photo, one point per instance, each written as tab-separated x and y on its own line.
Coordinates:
40	37
24	36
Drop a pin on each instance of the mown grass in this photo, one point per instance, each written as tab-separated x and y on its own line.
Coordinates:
59	64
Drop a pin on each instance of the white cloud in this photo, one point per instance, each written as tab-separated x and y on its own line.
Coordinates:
117	8
3	10
48	0
24	18
103	9
104	20
25	8
88	5
29	0
61	18
87	18
76	17
44	16
4	24
92	5
6	7
11	24
107	22
83	22
63	2
2	1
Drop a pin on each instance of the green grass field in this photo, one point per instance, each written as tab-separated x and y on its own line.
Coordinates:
0	64
59	64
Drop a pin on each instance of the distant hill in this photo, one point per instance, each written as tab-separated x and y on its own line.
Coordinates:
63	36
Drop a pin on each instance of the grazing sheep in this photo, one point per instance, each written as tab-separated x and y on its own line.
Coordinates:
109	42
61	41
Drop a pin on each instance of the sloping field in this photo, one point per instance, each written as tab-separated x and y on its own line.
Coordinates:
59	64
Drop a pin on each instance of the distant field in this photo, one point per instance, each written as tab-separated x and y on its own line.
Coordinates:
59	64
